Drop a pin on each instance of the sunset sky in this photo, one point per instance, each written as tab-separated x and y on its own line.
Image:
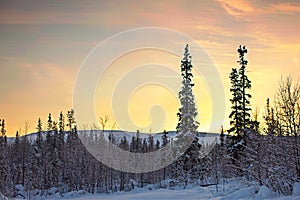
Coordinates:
44	43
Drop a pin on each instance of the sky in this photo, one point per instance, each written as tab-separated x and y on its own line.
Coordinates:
43	45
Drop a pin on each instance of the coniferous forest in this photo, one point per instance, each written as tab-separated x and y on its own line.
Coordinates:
264	152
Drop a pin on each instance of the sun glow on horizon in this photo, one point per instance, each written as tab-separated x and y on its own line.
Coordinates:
43	48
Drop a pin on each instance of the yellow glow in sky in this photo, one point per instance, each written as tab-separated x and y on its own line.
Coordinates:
43	45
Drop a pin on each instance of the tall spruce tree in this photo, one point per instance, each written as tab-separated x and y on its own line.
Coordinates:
240	114
187	112
245	85
187	125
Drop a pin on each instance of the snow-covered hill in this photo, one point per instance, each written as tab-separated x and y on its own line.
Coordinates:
203	137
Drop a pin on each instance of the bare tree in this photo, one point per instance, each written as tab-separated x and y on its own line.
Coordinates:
103	121
26	127
287	104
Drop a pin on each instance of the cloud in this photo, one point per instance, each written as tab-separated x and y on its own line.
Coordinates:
14	16
286	7
48	74
237	7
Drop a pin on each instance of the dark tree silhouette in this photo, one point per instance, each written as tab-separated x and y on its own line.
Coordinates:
240	84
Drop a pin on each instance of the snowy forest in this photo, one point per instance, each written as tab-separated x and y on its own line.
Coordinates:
264	152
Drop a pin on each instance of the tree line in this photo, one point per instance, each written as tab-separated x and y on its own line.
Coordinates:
55	160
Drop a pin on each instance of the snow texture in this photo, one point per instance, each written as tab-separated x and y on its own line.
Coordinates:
233	189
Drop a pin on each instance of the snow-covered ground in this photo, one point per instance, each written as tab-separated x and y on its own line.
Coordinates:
233	190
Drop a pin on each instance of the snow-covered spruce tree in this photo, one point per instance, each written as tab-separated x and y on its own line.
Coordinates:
187	125
61	150
38	159
165	141
187	112
72	154
4	161
236	101
240	116
245	85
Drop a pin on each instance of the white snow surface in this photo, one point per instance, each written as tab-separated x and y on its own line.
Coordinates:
232	190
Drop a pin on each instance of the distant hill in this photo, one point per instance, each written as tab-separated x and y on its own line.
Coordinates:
119	134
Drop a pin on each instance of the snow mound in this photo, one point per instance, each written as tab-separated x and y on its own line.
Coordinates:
266	193
296	191
243	193
76	194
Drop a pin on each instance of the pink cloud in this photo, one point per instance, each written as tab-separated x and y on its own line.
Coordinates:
286	7
242	7
237	7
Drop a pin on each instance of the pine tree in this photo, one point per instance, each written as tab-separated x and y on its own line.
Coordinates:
125	146
39	127
61	149
39	157
187	125
222	136
25	159
240	114
271	123
71	120
245	85
49	125
4	168
9	180
164	138
165	141
16	155
61	123
236	101
72	154
187	112
3	130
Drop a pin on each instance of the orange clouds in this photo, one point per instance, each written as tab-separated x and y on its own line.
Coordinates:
237	7
244	7
286	7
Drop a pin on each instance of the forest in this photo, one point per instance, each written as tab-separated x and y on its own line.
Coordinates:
266	152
